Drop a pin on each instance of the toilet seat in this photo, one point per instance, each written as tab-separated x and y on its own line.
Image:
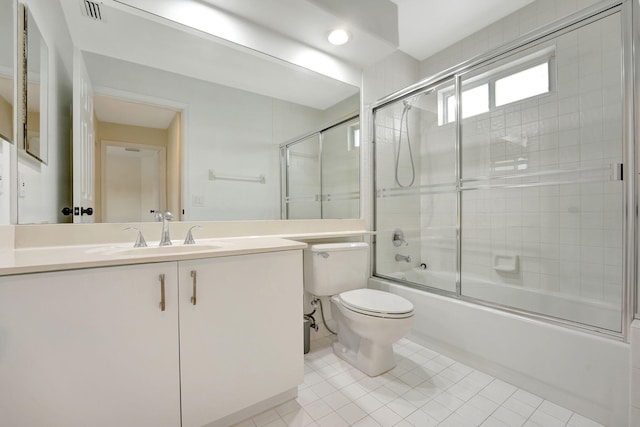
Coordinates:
372	302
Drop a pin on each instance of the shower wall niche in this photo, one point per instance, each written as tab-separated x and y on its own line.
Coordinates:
518	197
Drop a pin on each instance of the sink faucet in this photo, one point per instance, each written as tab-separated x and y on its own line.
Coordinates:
165	217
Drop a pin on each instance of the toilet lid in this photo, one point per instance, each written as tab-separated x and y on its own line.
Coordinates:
376	303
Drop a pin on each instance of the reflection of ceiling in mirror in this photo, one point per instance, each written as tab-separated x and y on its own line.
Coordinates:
133	39
114	110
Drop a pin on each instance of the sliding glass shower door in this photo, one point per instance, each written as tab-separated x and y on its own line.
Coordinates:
513	197
321	173
541	179
415	156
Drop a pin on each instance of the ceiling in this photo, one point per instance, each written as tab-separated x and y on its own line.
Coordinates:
424	26
428	26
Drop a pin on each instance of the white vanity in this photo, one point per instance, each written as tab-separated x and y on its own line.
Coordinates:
172	339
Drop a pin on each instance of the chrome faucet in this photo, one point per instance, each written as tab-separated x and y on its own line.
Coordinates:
405	258
189	240
165	217
140	242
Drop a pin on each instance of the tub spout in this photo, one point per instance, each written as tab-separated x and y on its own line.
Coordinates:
405	258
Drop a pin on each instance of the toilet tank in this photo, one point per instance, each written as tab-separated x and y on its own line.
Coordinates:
332	268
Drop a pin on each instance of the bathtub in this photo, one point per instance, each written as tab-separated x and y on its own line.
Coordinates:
585	372
603	314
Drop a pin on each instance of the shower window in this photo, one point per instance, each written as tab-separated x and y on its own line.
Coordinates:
321	174
512	81
520	204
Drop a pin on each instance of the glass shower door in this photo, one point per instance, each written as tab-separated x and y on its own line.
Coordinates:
341	171
303	183
541	179
415	182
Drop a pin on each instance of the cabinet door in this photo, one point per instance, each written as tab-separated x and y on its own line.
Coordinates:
241	342
90	348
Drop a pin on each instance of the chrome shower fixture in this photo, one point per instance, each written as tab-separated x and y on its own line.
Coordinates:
398	238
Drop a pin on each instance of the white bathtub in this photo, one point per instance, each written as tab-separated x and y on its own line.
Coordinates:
603	314
581	371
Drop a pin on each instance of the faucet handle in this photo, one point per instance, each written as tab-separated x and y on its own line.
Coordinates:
140	242
188	240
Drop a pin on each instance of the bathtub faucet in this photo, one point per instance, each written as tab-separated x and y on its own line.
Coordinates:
405	258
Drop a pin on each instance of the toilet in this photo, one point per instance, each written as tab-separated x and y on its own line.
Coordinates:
369	321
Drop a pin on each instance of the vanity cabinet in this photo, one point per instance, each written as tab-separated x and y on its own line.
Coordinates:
94	348
90	348
241	338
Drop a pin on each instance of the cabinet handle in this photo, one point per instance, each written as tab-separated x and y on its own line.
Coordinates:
162	303
193	298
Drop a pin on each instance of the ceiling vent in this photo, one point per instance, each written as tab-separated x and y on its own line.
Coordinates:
91	9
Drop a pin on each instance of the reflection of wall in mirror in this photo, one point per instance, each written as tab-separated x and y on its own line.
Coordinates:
230	131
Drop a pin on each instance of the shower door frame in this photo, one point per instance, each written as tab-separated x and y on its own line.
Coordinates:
630	37
284	162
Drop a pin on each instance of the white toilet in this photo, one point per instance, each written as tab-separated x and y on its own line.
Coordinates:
369	321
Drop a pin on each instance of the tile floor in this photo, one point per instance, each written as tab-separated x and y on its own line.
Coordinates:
425	389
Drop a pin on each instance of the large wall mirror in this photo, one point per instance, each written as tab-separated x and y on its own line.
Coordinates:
165	117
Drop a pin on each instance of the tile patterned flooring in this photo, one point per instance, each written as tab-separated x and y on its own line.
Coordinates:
425	389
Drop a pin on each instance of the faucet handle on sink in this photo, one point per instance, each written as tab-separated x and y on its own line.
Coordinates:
188	240
140	242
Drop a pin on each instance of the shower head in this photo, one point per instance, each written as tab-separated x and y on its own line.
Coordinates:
407	105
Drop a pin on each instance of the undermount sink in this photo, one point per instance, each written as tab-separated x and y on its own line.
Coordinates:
170	249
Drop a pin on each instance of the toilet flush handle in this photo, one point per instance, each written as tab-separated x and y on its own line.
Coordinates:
324	255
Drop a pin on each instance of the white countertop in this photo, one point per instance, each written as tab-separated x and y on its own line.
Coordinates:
56	258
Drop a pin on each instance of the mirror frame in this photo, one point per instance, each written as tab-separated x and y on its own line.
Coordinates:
43	87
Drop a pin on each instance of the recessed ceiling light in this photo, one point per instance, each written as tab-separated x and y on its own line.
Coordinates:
338	37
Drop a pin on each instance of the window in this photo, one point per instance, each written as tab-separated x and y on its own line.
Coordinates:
474	101
353	136
512	82
523	84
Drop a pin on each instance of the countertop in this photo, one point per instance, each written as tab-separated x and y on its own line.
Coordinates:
57	258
